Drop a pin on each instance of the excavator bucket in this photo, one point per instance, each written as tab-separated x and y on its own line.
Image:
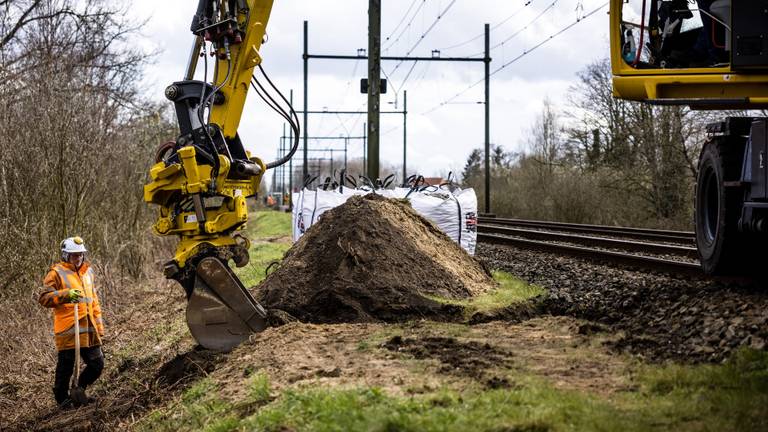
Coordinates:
221	313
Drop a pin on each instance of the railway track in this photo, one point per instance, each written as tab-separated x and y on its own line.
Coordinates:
572	239
622	232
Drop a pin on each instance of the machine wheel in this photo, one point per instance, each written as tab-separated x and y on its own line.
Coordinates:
723	250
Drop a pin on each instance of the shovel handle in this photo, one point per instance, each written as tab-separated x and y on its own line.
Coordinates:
76	377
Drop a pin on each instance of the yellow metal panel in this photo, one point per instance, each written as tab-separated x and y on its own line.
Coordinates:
721	83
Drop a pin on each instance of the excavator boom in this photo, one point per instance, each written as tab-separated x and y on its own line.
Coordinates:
201	180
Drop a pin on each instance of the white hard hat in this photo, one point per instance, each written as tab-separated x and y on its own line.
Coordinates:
73	245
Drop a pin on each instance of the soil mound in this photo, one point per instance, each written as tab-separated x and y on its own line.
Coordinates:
372	259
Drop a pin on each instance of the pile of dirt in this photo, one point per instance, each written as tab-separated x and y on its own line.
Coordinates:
372	259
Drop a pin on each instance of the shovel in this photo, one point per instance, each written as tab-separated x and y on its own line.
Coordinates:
76	393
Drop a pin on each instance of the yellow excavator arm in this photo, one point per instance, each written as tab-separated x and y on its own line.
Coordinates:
244	58
201	180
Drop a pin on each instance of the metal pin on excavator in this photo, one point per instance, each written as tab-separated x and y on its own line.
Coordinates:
201	180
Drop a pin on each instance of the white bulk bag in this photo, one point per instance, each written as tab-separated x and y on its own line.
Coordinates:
455	213
441	208
467	202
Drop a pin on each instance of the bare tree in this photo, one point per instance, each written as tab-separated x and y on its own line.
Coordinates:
80	137
641	150
545	141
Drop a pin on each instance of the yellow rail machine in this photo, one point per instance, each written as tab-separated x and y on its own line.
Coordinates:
708	55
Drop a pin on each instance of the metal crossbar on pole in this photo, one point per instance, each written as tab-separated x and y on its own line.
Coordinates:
350	112
395	58
485	59
341	137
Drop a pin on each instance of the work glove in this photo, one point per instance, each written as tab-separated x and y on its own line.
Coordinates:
74	295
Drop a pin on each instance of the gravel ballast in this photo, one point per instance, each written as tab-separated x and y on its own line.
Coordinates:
662	317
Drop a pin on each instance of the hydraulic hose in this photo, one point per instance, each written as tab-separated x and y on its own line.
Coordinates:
293	120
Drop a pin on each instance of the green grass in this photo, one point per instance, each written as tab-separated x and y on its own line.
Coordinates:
510	290
732	396
264	225
262	255
200	408
268	224
259	388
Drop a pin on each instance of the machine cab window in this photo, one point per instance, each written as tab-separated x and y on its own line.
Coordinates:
711	54
676	34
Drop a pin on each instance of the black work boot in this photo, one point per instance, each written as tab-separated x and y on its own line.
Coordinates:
61	394
66	404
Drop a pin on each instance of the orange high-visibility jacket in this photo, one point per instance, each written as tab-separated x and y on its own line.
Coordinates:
60	279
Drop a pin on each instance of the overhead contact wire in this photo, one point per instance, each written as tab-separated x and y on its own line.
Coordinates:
526	52
494	27
423	35
405	15
407	26
509	38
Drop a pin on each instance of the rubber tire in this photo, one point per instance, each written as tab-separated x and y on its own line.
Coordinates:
723	250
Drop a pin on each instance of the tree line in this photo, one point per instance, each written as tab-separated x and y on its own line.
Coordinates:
78	138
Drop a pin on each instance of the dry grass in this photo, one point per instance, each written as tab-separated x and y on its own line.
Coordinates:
144	329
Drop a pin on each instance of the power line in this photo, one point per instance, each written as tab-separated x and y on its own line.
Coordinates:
408	75
434	23
522	29
501	23
563	30
401	20
420	79
423	35
524	53
421	39
407	26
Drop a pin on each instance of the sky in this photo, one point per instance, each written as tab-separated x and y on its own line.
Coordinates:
440	135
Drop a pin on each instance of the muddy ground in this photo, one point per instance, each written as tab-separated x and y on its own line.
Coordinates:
458	356
403	359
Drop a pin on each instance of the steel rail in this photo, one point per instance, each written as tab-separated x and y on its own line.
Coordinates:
628	232
582	240
598	255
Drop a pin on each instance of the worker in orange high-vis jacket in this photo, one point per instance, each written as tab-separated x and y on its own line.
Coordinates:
71	281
